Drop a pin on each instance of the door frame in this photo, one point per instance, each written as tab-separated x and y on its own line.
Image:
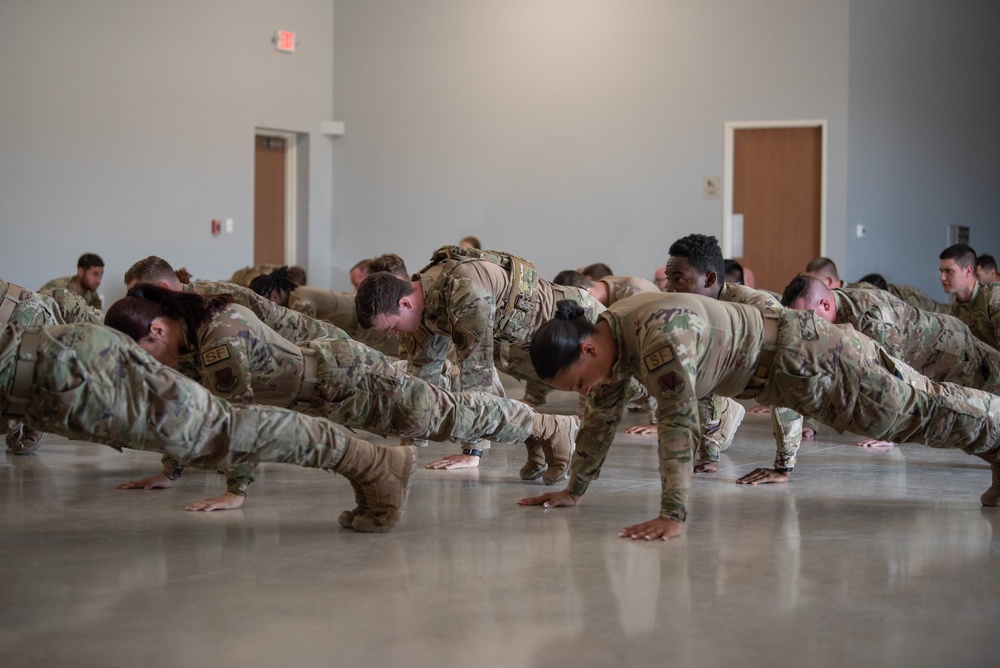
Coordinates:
291	179
728	167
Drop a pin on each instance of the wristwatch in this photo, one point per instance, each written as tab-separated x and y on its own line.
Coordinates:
472	451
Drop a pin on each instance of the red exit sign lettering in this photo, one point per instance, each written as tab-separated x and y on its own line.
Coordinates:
284	40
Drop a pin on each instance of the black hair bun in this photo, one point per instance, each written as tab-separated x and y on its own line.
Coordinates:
567	309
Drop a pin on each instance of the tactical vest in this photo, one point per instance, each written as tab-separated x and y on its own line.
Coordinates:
516	310
9	300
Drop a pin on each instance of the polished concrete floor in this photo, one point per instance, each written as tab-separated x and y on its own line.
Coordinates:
868	558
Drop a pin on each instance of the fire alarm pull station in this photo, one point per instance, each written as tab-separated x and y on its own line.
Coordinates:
216	226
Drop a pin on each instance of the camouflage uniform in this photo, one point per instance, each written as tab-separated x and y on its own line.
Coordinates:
72	307
907	293
240	359
338	308
30	309
620	287
292	325
461	303
981	313
243	276
92	383
72	283
936	345
786	424
683	347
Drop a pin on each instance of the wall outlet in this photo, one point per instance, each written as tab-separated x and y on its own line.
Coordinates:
861	231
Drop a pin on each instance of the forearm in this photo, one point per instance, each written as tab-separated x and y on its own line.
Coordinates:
675	448
597	432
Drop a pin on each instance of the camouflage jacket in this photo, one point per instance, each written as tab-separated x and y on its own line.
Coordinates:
72	283
939	346
741	294
72	307
981	313
680	347
294	326
460	307
30	309
239	358
620	287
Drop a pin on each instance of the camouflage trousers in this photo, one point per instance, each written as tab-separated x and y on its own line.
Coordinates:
786	425
361	388
847	381
94	384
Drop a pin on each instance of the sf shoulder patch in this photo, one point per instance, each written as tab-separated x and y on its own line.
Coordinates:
215	355
658	358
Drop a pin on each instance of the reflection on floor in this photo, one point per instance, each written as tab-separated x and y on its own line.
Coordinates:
869	557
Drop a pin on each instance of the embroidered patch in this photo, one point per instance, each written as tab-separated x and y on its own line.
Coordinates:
655	360
670	384
215	355
225	380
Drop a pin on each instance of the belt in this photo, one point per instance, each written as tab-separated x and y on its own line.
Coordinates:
24	374
768	340
310	367
8	302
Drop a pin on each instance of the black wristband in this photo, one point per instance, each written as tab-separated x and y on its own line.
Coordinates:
472	451
781	470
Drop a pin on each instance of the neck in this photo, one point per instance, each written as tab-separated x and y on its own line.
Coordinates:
599	290
964	295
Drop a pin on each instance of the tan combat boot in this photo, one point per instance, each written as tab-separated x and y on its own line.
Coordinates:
556	436
535	466
346	518
381	479
991	497
21	440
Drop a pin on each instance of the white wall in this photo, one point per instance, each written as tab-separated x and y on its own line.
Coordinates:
128	125
567	131
924	134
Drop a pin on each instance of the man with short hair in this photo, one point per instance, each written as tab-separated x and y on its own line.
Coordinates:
936	345
488	304
825	270
89	272
696	266
986	269
358	272
976	304
322	304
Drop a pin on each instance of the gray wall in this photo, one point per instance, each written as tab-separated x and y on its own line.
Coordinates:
128	126
924	136
568	131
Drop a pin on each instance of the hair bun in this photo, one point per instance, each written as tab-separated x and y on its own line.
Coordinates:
567	309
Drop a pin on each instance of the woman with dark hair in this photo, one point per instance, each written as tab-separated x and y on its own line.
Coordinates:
237	357
682	347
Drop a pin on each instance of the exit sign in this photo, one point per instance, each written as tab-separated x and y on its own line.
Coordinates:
284	41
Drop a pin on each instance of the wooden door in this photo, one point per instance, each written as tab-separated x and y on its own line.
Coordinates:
269	200
777	187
